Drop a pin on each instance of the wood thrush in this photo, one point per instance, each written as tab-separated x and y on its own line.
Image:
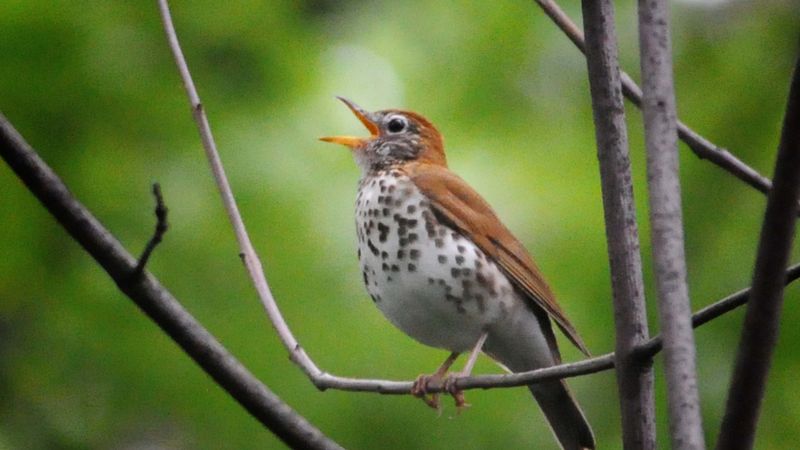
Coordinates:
441	266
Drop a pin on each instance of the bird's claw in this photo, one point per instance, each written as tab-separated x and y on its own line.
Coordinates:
420	390
449	385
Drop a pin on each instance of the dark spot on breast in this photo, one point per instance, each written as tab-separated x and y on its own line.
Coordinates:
466	271
372	247
455	272
384	267
431	281
412	267
411	223
366	278
478	264
414	253
410	209
401	254
461	249
391	188
459	259
439	242
384	255
403	242
383	230
395	268
442	259
385	212
412	237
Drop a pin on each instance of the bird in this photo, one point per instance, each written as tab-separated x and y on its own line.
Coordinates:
441	266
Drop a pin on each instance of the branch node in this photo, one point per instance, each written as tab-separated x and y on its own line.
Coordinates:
161	229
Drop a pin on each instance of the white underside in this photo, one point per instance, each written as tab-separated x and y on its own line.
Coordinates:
429	303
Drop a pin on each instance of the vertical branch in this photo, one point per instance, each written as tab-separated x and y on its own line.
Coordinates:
634	376
666	219
760	332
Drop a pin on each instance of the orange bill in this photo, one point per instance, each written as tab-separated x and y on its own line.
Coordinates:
352	141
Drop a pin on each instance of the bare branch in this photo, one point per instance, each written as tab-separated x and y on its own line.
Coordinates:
158	234
153	298
251	260
702	147
666	219
760	332
634	377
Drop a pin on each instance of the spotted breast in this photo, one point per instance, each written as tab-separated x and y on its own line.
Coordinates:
426	278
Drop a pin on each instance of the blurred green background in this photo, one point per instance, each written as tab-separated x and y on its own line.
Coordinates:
92	86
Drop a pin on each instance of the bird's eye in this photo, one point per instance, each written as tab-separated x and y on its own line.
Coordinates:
396	124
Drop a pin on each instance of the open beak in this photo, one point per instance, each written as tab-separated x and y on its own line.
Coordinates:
352	141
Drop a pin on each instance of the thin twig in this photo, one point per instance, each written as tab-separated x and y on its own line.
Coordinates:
251	260
158	234
761	323
634	377
153	298
666	223
701	146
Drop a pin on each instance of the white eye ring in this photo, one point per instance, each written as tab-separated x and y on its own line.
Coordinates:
396	124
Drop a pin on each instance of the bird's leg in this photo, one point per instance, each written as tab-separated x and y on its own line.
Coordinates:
449	382
420	387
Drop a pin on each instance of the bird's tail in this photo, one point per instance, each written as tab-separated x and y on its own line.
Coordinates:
564	415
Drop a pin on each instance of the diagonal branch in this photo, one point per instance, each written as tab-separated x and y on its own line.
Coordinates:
702	147
153	298
248	254
666	219
760	330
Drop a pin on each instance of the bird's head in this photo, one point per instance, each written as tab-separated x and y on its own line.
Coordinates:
396	137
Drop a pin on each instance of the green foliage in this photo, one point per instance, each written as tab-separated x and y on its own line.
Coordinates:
92	86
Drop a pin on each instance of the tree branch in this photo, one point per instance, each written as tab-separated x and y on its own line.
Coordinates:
666	219
634	377
761	324
153	298
248	254
158	234
701	147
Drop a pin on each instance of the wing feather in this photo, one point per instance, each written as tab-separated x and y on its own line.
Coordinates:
454	200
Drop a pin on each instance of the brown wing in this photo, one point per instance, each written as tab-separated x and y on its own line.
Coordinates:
465	209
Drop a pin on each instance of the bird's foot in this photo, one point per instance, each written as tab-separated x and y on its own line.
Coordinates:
449	386
420	390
